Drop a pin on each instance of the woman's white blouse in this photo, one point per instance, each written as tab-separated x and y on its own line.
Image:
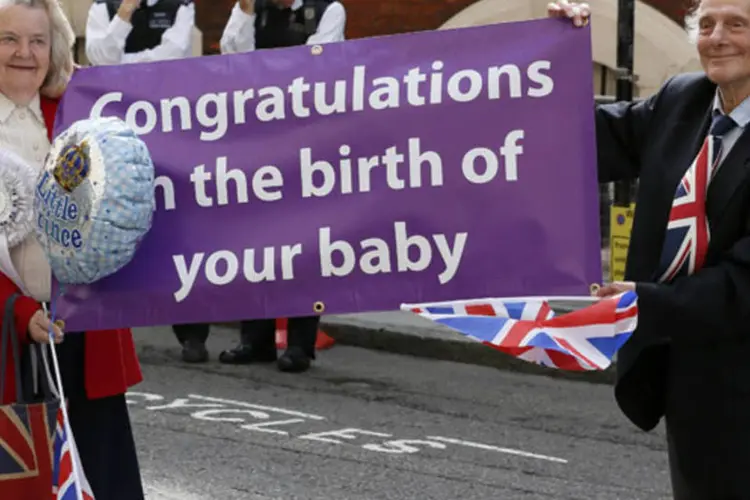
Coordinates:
22	130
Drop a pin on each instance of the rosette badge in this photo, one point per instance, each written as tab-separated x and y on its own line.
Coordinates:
94	200
17	179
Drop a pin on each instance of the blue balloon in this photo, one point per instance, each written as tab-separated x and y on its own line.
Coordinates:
94	200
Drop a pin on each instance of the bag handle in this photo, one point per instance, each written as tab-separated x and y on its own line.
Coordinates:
36	380
49	386
53	384
9	336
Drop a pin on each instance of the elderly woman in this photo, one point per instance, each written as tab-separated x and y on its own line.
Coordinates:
97	367
689	258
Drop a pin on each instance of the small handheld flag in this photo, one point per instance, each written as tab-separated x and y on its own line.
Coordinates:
527	328
69	481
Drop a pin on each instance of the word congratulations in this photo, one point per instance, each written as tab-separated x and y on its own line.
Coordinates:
272	103
58	211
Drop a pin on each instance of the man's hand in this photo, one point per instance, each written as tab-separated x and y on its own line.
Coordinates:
615	288
247	6
39	325
127	7
578	12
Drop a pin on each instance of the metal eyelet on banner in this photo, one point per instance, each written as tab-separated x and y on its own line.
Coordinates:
316	50
594	287
60	324
319	307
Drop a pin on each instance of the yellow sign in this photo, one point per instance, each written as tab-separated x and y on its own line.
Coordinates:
621	223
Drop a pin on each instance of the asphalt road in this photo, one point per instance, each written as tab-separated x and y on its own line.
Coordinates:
371	425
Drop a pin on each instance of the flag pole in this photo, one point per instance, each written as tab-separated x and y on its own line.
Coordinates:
64	408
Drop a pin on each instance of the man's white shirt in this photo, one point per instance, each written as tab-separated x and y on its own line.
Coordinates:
105	38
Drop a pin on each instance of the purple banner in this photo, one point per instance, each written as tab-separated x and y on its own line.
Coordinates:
355	176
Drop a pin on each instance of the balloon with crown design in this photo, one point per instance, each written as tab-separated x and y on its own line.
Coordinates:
94	200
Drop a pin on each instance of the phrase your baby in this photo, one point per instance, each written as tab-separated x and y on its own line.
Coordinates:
406	252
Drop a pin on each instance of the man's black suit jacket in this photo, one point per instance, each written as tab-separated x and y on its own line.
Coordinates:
690	354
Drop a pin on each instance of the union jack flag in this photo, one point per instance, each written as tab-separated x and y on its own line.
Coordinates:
68	478
19	450
528	328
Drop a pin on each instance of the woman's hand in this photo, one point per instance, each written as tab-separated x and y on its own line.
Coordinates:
579	13
39	326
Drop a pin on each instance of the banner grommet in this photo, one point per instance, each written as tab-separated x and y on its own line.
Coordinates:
594	287
319	307
60	324
316	50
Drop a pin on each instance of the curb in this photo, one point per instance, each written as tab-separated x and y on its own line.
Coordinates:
444	348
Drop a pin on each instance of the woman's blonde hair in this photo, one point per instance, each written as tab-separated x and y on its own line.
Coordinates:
61	44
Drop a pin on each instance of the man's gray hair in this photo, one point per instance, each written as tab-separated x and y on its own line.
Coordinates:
61	44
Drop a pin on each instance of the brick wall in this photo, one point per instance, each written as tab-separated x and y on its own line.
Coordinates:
378	17
383	17
211	16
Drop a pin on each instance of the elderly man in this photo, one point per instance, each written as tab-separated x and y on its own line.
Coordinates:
689	259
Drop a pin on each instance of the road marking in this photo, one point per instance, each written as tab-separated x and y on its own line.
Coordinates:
180	403
348	433
257	407
208	414
489	447
403	446
147	396
215	410
265	426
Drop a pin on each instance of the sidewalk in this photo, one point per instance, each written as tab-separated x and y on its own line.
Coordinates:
406	333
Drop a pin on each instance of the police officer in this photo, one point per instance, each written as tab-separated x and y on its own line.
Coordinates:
268	24
129	31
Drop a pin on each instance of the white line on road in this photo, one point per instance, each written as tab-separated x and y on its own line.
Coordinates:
488	447
265	426
257	407
209	411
